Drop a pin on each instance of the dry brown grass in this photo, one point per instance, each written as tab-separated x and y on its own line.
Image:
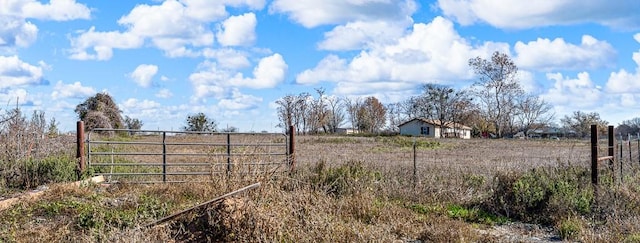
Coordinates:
350	189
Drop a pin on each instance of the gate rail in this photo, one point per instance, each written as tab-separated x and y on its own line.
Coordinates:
151	156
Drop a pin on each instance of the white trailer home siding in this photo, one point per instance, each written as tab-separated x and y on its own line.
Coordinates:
417	127
430	128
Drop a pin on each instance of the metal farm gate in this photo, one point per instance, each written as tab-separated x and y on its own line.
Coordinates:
145	156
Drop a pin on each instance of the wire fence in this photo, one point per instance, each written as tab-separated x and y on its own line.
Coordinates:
445	156
457	157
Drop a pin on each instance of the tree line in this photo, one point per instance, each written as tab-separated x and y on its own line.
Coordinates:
495	103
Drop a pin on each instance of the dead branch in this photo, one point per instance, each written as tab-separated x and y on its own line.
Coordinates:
215	200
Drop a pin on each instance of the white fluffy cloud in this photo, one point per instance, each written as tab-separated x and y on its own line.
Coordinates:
361	24
102	44
58	10
548	55
356	35
625	81
16	30
239	101
432	52
164	93
143	75
11	96
75	90
228	58
269	72
135	104
238	30
581	92
174	26
215	81
15	72
312	13
515	14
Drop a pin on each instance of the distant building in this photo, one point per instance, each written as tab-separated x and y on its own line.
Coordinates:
346	130
550	132
431	128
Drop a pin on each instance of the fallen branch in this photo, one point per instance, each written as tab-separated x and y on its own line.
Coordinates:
217	199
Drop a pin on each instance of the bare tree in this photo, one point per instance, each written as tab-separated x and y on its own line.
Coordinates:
286	111
396	115
302	112
533	113
318	114
497	89
627	127
336	113
353	105
417	106
580	122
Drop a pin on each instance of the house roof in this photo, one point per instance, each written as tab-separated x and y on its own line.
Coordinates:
437	123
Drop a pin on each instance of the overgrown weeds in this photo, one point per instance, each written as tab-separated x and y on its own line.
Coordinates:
33	152
354	200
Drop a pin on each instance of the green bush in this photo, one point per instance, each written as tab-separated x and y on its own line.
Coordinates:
344	179
542	195
474	215
570	228
30	173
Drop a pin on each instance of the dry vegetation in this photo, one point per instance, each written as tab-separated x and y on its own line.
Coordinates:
358	189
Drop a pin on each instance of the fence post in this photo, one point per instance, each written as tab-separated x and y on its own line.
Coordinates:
292	150
611	152
415	168
80	148
612	147
164	157
594	155
228	153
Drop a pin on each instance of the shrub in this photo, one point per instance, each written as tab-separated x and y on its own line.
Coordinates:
542	195
570	228
344	179
30	173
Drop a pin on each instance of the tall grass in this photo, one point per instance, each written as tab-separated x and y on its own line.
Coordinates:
352	192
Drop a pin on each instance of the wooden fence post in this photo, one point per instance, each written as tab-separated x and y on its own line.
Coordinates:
292	150
415	167
594	155
80	147
611	151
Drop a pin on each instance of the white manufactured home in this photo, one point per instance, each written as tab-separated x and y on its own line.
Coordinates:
431	128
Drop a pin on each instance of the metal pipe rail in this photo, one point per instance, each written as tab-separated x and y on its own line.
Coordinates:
167	148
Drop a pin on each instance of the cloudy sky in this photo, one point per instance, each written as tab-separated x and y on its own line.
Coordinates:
231	59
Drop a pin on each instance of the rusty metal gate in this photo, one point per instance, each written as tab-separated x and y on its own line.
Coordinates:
146	156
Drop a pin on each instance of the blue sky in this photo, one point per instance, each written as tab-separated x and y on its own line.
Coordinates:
231	59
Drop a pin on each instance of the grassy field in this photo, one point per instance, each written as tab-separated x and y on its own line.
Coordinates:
357	189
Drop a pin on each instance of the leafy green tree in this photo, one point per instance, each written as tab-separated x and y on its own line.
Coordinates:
100	111
52	128
200	123
230	129
132	123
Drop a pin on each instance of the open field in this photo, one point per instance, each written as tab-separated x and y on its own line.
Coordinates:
357	189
